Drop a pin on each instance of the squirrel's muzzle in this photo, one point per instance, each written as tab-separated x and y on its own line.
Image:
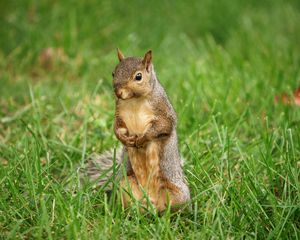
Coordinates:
118	93
118	90
123	93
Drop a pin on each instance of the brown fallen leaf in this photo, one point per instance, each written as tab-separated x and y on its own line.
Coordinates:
288	99
283	98
50	56
43	161
3	161
297	96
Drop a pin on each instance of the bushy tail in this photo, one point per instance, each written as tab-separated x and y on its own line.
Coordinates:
100	168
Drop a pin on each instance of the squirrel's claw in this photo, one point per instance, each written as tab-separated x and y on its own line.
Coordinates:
130	141
140	141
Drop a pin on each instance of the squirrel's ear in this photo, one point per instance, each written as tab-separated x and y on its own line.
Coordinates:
147	59
120	55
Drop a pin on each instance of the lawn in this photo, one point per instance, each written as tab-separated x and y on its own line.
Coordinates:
222	64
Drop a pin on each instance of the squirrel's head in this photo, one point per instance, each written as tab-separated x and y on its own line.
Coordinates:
132	77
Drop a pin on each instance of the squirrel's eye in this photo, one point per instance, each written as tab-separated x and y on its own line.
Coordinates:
138	77
113	74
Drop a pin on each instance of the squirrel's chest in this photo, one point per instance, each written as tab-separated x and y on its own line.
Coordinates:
137	115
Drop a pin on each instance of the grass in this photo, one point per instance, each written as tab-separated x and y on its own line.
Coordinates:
222	63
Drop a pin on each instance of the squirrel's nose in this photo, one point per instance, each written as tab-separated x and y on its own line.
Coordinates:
119	93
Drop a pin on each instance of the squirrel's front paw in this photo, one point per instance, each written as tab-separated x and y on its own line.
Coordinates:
130	141
122	135
140	141
122	131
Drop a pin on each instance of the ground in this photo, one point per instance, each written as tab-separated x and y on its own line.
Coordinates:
221	62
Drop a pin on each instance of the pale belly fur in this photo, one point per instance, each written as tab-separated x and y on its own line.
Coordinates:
137	115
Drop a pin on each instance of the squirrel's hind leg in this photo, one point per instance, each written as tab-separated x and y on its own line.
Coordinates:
130	190
167	196
172	196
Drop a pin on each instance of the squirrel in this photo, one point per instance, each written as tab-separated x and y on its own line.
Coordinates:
145	124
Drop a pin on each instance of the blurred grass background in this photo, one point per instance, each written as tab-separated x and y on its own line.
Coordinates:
221	62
